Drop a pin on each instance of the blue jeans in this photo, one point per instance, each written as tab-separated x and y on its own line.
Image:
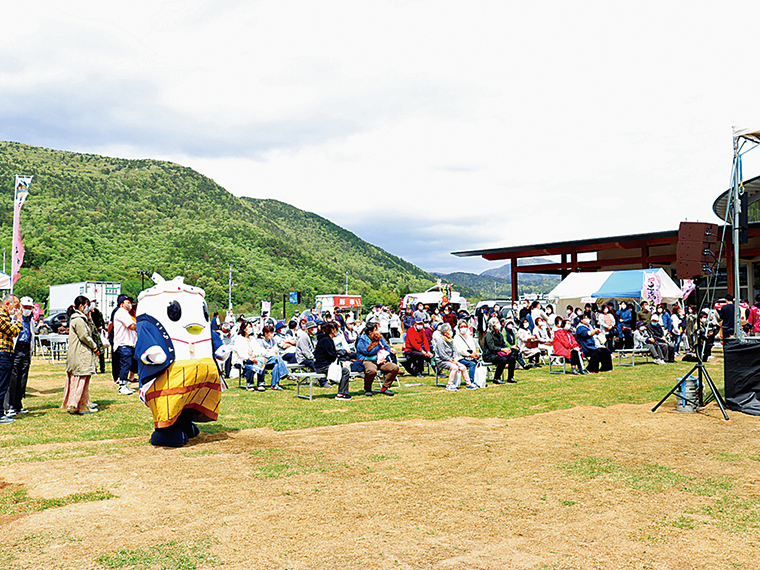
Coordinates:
124	355
471	366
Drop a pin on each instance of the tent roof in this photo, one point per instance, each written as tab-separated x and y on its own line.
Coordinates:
751	187
751	134
579	288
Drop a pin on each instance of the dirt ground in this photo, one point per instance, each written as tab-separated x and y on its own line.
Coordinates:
616	487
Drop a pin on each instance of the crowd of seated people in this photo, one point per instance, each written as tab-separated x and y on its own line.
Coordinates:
510	338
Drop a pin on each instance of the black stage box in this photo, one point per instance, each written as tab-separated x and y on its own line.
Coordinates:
742	375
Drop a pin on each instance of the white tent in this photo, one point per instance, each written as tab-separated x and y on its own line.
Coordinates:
654	285
5	281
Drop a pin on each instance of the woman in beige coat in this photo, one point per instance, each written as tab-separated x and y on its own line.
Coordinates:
81	361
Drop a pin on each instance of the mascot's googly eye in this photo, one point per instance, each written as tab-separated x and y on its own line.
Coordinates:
205	311
174	311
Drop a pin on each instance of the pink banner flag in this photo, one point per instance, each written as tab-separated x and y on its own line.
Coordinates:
17	254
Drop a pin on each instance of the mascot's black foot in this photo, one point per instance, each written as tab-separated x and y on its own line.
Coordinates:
169	437
191	430
185	423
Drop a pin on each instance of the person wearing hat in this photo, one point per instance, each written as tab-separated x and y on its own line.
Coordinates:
22	355
124	340
416	349
305	346
10	327
286	344
643	340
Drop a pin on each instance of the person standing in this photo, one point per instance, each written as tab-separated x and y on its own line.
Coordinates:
726	317
100	325
81	360
124	340
10	326
22	355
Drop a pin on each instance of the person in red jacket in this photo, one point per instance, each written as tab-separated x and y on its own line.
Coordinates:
416	348
565	345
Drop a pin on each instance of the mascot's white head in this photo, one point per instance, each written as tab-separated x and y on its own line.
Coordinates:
183	312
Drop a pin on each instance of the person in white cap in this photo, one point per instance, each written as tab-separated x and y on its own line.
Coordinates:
22	355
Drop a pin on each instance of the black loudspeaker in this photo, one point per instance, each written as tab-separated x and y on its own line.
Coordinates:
741	366
696	251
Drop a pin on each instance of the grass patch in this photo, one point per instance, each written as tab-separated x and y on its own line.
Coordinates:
723	456
18	501
650	478
732	513
712	486
31	455
171	555
200	453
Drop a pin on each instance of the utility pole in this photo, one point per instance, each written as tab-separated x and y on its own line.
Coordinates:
346	281
3	260
229	290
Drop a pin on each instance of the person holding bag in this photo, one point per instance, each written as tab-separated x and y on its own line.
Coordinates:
466	349
446	359
81	361
325	355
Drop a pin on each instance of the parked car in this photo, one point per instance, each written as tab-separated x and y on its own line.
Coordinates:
53	324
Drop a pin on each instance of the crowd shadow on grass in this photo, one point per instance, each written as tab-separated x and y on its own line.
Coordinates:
31	392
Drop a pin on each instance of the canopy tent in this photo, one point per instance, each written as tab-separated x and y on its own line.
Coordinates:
579	288
5	281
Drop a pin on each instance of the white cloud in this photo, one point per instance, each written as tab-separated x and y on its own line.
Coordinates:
425	127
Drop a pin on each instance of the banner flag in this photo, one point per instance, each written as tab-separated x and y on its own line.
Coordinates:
266	307
17	254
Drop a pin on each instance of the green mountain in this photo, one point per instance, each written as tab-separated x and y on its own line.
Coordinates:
496	283
92	217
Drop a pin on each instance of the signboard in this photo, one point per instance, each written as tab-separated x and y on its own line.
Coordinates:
293	297
341	301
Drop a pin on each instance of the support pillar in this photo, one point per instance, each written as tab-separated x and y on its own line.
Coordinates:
513	262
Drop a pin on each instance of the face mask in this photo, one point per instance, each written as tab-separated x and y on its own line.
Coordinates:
87	308
605	311
569	312
463	331
27	312
568	327
525	325
704	320
659	311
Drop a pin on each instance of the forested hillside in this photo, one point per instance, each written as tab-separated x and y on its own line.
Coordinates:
91	217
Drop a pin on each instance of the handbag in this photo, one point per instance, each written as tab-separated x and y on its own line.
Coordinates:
335	372
480	376
533	343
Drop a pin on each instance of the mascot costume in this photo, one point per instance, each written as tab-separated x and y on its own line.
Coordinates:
179	378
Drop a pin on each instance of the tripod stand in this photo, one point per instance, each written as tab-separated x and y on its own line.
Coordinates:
702	373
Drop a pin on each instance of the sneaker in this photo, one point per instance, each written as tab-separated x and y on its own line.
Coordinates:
472	387
90	411
10	412
511	381
126	390
574	372
6	420
23	411
498	381
369	394
92	406
277	387
261	388
451	388
343	397
387	392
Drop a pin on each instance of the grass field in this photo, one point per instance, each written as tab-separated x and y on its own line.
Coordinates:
556	471
536	391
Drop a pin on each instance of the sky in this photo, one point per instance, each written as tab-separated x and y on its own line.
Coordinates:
425	127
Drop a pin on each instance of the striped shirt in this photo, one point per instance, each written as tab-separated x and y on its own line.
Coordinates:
8	331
